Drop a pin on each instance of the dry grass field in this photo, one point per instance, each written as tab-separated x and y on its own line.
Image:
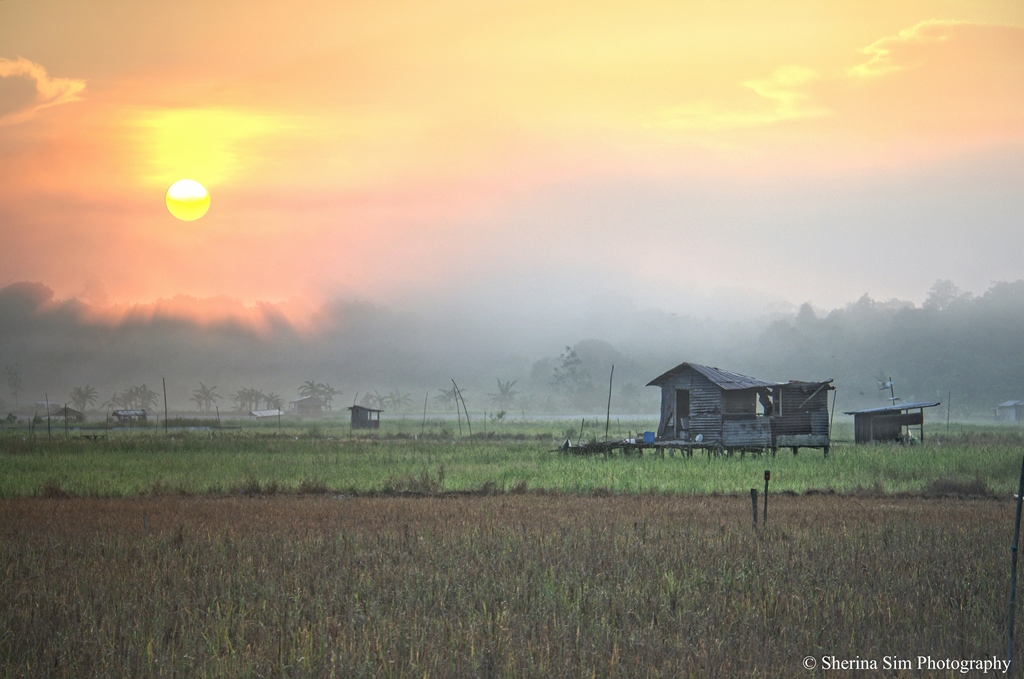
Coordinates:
531	584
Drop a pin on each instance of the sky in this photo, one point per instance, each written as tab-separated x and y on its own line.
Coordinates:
511	157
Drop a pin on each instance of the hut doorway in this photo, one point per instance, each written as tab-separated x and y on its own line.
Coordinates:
682	411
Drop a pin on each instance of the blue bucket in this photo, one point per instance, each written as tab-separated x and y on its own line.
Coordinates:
648	437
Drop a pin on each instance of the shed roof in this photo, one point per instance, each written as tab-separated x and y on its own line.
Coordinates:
1010	404
894	408
266	413
371	410
722	378
65	411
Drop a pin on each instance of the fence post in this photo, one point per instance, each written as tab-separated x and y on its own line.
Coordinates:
767	476
1013	570
753	505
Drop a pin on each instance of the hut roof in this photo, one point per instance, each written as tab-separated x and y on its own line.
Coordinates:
722	378
265	413
1010	404
894	408
65	411
371	410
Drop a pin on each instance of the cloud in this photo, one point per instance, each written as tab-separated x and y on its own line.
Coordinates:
781	97
49	91
881	60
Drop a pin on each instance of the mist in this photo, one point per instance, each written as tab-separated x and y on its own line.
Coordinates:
953	343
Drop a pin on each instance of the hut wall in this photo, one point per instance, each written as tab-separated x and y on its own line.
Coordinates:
705	415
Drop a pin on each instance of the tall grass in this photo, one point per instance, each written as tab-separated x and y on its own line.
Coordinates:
252	461
534	585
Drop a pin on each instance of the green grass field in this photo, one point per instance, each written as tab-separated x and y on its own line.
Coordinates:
322	458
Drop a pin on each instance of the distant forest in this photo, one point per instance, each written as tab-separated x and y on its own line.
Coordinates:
970	347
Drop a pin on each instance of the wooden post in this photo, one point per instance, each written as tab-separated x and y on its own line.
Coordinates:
164	380
767	476
608	416
582	422
49	434
65	421
753	504
1013	570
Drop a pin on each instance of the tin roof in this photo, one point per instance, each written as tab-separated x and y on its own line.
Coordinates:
894	408
722	378
266	413
1010	404
372	410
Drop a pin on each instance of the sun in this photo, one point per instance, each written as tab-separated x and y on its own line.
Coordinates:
187	200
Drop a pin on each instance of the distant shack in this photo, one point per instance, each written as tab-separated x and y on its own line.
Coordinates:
365	418
135	415
309	406
890	424
1010	411
66	413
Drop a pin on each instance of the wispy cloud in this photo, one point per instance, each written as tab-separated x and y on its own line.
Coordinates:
49	91
880	52
781	97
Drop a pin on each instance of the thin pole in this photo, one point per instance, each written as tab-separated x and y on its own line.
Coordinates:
164	380
49	435
423	427
832	417
465	409
1013	568
949	404
65	421
764	520
608	416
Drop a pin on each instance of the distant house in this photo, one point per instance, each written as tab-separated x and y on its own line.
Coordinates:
365	418
714	407
1010	411
68	414
711	408
137	415
889	423
309	406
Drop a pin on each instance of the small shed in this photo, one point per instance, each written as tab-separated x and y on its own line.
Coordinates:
714	407
309	406
66	413
1010	411
889	423
137	415
365	418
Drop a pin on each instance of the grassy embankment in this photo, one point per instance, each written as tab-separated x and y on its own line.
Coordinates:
535	585
325	459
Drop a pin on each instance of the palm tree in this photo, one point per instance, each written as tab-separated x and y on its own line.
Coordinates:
327	393
396	400
374	401
274	401
505	397
83	397
308	388
446	398
205	396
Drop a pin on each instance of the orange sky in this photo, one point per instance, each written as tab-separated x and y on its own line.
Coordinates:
402	150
